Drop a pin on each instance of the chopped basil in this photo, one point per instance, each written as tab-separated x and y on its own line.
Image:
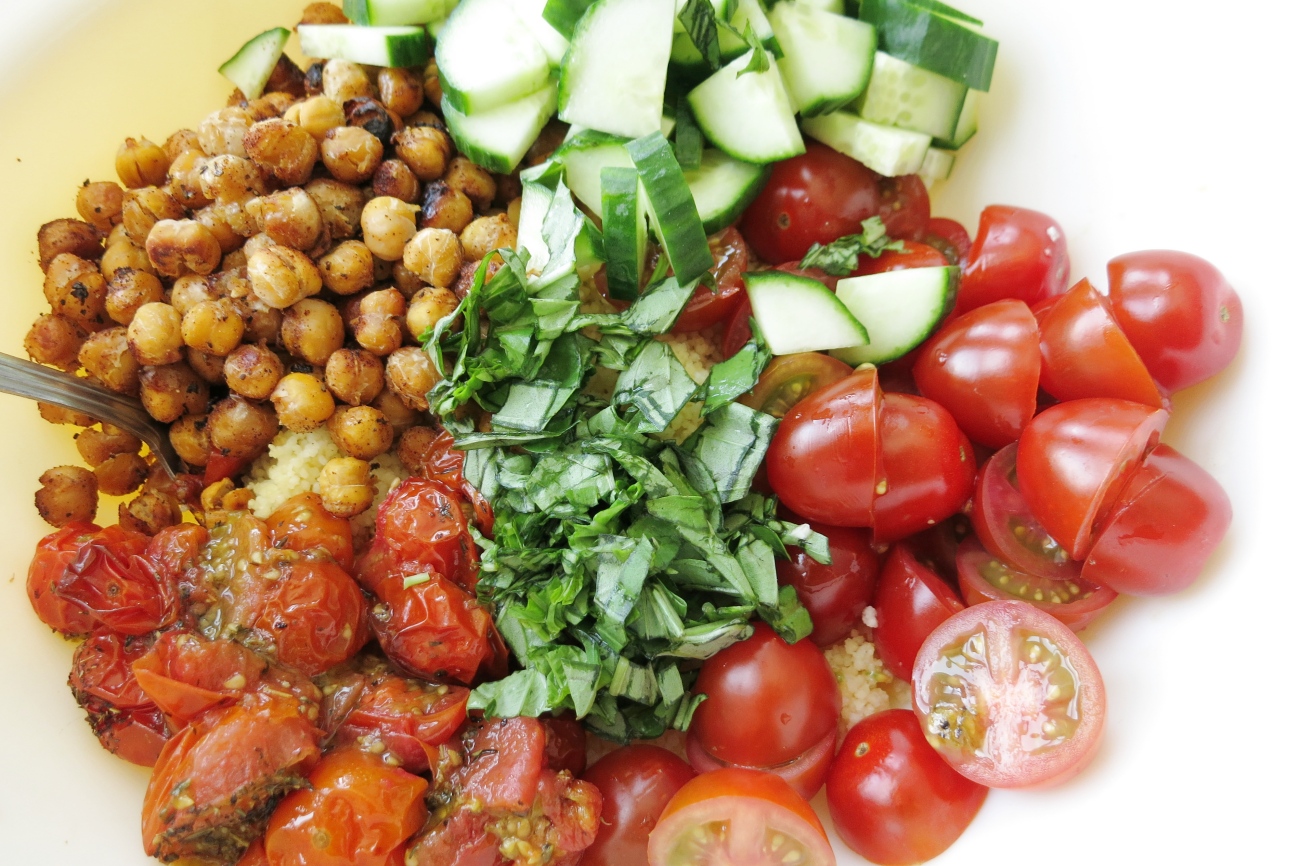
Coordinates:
839	258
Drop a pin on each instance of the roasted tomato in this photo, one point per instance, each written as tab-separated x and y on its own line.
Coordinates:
303	524
421	529
431	627
409	718
111	581
54	553
122	716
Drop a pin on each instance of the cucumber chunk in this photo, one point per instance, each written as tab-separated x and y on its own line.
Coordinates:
498	139
394	13
753	14
747	115
614	76
883	149
827	58
899	308
372	46
251	66
723	187
834	7
488	58
799	314
584	157
623	217
932	40
554	43
967	123
564	15
672	207
936	166
910	97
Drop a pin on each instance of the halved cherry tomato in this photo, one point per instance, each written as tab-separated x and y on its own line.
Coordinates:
1085	354
636	783
1009	696
911	602
54	553
1169	519
983	367
1006	528
892	798
913	255
1017	253
739	817
950	238
836	594
302	524
709	305
904	206
409	717
790	378
122	716
1075	602
811	273
805	774
1075	457
737	331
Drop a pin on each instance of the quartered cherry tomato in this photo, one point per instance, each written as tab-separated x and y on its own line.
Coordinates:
836	594
1018	253
790	378
950	238
913	255
1004	525
122	716
911	601
712	304
636	783
1074	601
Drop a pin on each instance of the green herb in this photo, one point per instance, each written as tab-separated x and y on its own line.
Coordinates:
699	20
688	141
839	258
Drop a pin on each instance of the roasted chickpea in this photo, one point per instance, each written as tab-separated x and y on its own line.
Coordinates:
189	438
387	223
173	390
313	78
312	330
401	416
512	211
184	179
58	415
253	371
107	357
155	334
342	80
75	289
445	208
351	154
486	234
348	268
323	13
145	206
55	341
100	204
227	178
129	290
216	219
318	115
361	431
430	306
124	254
380	316
151	512
271	105
405	280
259	241
354	376
410	374
177	247
223	131
214	327
68	494
235	260
346	487
96	446
286	151
340	205
286	79
401	90
432	84
475	181
302	402
189	291
509	188
122	474
180	141
435	255
290	217
140	162
240	428
210	368
282	276
425	149
261	322
370	114
394	178
414	447
67	236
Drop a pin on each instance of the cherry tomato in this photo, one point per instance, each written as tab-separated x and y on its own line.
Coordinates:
790	378
811	273
835	594
314	613
929	467
1004	525
892	798
913	255
221	466
1085	354
1075	602
175	553
110	580
1075	457
738	817
636	782
409	717
566	744
442	462
805	773
1009	696
303	524
911	601
358	812
254	855
950	238
983	367
433	628
1169	519
1017	253
737	331
54	553
420	529
904	207
825	459
1179	313
708	306
122	716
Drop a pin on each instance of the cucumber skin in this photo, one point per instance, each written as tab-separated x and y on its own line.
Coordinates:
868	355
930	40
412	52
620	189
280	34
717	138
730	215
359	12
490	160
458	98
777	280
564	15
665	186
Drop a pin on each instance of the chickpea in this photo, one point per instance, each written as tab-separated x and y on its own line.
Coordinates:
68	494
289	217
465	281
270	105
67	236
184	179
124	254
401	416
214	327
107	357
313	78
348	268
227	178
140	162
361	431
342	80
189	438
414	447
312	330
189	291
151	512
435	255
280	148
445	208
346	486
430	306
128	290
122	474
340	206
512	211
240	428
377	326
395	178
354	376
170	391
351	154
259	241
55	341
488	233
387	223
411	375
253	371
182	246
116	235
401	90
323	13
223	131
318	115
58	415
425	149
75	289
210	368
405	280
97	446
100	204
216	219
370	114
432	84
146	206
235	260
155	334
302	402
475	181
261	322
180	141
509	188
282	276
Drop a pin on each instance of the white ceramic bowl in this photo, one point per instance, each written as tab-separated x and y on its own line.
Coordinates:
1136	123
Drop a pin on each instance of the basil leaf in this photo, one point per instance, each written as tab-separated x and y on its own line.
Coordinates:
700	22
656	385
839	258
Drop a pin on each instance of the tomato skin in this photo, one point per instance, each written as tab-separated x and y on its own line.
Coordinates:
111	581
420	528
892	798
835	594
1178	311
566	744
433	629
789	378
929	467
913	255
904	207
736	331
911	602
54	553
806	773
316	614
122	716
707	307
950	238
983	367
636	782
408	716
1169	519
303	524
1005	527
825	459
1075	457
979	573
1017	253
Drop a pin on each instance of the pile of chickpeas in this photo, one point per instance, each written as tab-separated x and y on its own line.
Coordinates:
273	268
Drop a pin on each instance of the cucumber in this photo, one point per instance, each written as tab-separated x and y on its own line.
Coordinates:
391	13
564	15
251	66
899	308
947	11
910	97
488	58
967	123
752	13
498	139
931	40
623	216
614	76
684	55
936	166
799	314
883	149
835	7
372	46
673	216
723	187
747	115
584	156
826	58
554	44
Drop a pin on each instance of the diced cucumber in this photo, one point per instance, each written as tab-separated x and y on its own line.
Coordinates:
372	46
584	156
936	166
967	123
251	66
753	14
614	76
623	217
673	216
883	149
799	314
554	43
564	15
392	13
487	57
747	115
498	139
723	187
931	40
910	97
835	7
898	308
945	9
826	58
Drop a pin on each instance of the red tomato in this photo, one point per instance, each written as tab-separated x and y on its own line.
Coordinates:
358	812
420	529
836	594
1178	311
950	238
636	782
54	553
904	207
303	524
983	367
1075	457
410	717
255	855
911	601
721	817
433	629
737	331
566	744
111	581
913	255
222	466
508	758
314	613
440	461
1009	696
790	378
805	773
1085	354
1075	602
811	273
1169	519
1006	528
708	306
126	722
929	467
176	551
825	459
892	798
1018	253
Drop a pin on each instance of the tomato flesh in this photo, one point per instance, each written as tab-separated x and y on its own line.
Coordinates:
806	773
790	378
1075	601
911	602
1004	525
